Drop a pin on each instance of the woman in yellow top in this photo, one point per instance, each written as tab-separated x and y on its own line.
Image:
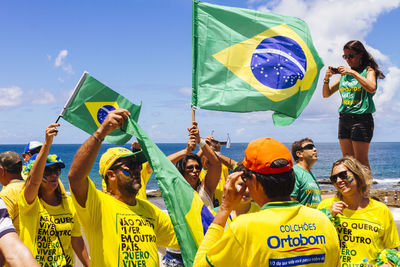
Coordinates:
357	85
49	226
365	226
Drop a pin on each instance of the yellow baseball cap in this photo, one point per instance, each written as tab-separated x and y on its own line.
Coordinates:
114	153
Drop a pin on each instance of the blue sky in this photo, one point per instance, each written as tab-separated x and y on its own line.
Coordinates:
142	49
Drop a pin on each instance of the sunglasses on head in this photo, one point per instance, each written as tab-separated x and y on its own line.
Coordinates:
49	171
350	56
342	175
308	147
192	167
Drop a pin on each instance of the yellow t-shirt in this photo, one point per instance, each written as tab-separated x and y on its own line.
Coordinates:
364	233
123	235
10	195
38	222
144	175
280	234
220	187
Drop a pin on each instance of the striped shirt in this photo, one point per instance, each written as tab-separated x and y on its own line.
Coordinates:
6	225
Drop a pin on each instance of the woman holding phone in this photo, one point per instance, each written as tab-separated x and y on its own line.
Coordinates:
49	226
357	85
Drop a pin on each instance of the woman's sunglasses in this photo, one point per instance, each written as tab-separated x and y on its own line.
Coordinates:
192	167
342	175
49	171
350	56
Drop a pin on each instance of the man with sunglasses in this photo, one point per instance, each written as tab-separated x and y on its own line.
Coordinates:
282	233
306	188
122	230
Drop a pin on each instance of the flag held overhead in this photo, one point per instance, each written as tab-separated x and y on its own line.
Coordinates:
90	104
246	60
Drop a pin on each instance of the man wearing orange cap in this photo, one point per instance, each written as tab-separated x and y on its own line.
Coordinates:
282	233
122	230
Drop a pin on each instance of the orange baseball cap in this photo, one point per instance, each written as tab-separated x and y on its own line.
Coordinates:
262	152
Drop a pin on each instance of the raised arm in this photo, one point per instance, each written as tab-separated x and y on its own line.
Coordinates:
328	90
86	154
36	174
213	175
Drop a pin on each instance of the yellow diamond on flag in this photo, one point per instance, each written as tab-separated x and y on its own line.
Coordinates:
276	62
100	110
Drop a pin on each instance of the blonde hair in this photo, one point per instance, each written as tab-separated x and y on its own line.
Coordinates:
361	173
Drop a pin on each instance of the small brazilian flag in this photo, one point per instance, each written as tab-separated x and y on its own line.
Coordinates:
245	60
90	104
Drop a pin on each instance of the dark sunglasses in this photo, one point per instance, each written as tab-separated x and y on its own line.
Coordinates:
192	167
130	164
49	171
350	56
308	147
342	175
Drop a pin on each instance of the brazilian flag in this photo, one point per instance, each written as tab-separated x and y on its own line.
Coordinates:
90	104
245	60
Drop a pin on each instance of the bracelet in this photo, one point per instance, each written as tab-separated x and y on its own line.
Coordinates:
202	143
326	80
97	139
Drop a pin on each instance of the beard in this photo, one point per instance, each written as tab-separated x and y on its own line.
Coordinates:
129	186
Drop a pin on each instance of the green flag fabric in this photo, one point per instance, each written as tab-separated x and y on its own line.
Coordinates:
89	105
187	211
245	60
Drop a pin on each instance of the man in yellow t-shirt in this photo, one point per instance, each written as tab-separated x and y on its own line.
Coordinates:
282	233
11	179
121	229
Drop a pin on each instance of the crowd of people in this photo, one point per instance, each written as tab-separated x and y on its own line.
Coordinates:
267	211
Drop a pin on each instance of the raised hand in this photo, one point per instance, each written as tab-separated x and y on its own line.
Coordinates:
338	207
51	131
114	120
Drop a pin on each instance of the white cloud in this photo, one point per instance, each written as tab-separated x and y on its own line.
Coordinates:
387	90
11	96
60	58
239	131
43	98
186	91
59	62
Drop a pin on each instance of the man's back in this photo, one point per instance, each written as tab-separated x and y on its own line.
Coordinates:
10	194
281	234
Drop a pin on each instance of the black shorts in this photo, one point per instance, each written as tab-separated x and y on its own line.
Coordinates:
357	127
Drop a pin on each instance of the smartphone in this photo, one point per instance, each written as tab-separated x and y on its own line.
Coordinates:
335	70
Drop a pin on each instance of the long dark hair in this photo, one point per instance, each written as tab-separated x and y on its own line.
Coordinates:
366	59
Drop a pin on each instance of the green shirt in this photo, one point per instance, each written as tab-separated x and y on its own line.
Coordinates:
306	188
355	99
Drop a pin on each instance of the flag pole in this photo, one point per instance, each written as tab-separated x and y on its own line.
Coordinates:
78	85
193	113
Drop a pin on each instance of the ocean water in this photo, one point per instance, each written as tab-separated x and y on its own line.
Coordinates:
384	160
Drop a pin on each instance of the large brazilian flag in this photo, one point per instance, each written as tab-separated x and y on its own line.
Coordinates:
89	105
245	60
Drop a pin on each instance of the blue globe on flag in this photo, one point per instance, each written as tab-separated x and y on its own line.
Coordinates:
103	112
278	62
